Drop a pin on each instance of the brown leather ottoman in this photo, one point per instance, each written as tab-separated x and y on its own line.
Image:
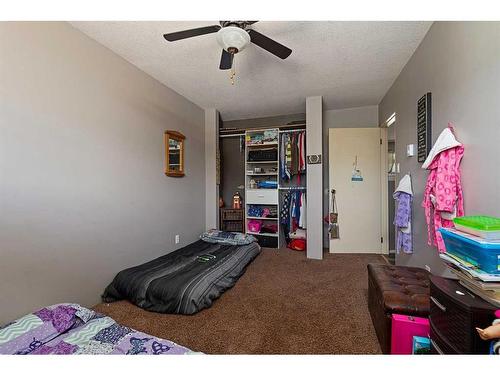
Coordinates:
395	289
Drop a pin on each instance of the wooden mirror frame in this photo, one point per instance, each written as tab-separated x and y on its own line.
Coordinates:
172	134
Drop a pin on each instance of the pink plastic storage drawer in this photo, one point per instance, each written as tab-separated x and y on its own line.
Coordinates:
404	327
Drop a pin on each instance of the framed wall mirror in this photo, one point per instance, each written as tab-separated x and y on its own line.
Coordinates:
174	153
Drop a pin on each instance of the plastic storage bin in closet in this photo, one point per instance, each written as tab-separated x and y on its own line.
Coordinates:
481	253
487	227
254	226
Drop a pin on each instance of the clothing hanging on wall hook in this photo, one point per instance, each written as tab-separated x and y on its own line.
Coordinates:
403	215
443	194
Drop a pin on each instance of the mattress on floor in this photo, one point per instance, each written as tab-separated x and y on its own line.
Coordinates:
72	329
184	281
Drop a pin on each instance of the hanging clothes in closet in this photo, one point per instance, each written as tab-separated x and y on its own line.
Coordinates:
286	198
293	213
292	158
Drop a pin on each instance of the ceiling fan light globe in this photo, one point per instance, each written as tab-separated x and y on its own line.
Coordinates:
232	37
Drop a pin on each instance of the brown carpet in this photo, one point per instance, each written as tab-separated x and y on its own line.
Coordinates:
283	304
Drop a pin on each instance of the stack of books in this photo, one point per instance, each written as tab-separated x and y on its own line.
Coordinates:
483	284
473	255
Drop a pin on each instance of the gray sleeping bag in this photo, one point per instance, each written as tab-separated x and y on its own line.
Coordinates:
184	281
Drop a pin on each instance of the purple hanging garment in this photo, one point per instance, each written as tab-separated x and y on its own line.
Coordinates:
402	220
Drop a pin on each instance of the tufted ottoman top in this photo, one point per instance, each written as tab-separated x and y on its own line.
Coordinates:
404	290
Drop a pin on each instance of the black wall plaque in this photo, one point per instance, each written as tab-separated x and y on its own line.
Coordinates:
424	136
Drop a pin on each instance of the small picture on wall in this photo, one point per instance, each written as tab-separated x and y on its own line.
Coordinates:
174	153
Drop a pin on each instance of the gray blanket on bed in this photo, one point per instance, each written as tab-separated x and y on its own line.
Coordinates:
184	281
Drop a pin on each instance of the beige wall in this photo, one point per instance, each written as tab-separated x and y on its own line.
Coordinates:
459	62
82	189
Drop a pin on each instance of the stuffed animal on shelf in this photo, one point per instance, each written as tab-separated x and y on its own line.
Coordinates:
492	333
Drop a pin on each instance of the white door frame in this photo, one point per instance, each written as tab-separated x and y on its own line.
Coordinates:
384	189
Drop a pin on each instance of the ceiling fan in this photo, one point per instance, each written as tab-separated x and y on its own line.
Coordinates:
233	37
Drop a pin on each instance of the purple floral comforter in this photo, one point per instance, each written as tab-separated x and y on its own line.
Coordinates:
73	329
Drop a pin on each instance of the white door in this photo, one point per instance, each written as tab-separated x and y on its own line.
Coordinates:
358	193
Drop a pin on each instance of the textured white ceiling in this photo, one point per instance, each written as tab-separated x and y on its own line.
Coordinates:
350	64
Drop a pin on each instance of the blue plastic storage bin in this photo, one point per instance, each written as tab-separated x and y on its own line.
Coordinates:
482	254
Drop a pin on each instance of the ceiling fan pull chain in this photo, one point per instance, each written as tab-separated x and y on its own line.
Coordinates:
233	74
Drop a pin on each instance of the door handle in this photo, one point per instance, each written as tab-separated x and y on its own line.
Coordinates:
438	304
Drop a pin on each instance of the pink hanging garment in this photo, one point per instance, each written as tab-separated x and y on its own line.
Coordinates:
443	195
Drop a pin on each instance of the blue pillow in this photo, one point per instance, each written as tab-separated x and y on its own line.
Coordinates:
229	238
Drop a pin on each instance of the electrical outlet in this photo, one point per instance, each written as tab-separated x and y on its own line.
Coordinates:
428	268
177	238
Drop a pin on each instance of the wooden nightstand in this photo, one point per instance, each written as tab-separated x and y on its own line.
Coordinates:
232	220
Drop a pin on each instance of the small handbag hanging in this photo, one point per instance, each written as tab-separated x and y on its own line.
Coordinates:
333	228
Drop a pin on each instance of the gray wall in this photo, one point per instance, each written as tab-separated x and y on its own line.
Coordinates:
82	188
359	117
459	62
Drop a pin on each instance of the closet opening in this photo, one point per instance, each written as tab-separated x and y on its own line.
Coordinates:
266	167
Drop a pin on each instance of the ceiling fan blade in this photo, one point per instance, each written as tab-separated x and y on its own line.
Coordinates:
226	60
178	35
269	45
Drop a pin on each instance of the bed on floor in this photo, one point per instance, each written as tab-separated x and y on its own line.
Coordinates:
72	329
189	279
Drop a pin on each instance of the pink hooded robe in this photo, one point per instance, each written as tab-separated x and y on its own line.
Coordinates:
443	195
